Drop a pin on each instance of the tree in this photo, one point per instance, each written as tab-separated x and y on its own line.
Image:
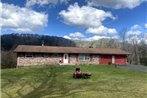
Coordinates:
122	36
143	52
10	41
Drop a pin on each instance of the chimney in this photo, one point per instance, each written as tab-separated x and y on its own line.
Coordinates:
92	45
42	42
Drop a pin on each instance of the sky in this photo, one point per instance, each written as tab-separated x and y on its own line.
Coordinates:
75	19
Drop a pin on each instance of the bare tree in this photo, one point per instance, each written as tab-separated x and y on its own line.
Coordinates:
135	51
143	52
122	36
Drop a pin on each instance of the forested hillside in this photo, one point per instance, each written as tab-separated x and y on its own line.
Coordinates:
10	41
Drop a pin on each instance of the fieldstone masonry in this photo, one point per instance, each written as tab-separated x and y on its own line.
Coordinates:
53	59
28	61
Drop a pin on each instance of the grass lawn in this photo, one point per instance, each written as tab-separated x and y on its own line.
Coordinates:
57	82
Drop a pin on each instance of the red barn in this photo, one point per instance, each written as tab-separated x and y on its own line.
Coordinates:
39	55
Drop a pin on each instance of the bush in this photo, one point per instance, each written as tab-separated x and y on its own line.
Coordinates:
143	61
8	59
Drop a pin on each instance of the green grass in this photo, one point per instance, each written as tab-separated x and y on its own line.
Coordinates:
57	82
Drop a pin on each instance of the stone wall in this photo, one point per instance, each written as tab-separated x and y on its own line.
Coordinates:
38	59
73	59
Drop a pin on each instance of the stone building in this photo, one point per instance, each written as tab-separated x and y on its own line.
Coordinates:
28	55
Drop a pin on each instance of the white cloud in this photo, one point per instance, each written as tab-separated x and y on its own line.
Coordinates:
67	37
134	33
30	3
101	30
133	39
145	35
89	18
135	27
0	14
96	38
136	39
76	34
117	4
21	19
84	16
145	25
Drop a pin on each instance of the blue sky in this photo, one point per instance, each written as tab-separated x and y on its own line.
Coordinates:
76	19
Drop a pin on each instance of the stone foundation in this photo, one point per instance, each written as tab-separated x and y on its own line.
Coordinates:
39	59
73	59
29	61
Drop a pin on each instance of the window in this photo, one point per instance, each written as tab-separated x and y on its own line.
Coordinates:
21	55
46	55
83	57
55	55
29	55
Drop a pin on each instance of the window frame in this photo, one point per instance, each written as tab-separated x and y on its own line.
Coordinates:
84	57
29	55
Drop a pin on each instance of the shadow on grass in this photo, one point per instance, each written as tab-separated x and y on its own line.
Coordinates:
45	87
52	87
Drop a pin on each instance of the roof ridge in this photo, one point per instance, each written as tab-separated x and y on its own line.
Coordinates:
66	47
62	49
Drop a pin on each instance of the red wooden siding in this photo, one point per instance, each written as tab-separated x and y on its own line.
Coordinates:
105	59
120	59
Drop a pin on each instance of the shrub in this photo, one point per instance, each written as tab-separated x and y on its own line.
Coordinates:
8	59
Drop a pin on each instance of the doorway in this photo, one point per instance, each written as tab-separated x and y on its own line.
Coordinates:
65	58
